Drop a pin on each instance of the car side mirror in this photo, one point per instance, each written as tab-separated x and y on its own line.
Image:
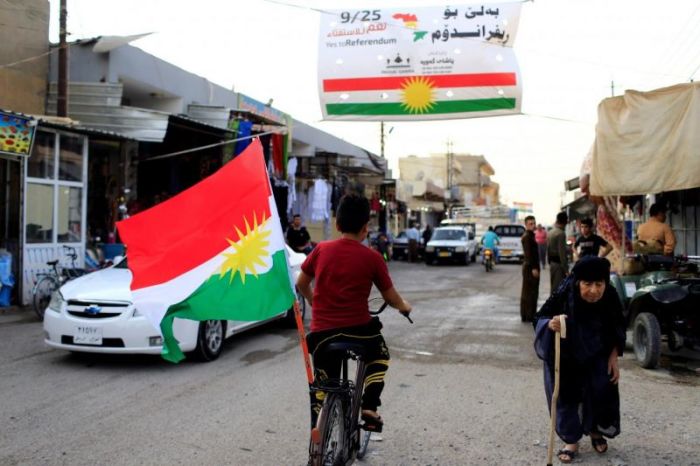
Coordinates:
471	235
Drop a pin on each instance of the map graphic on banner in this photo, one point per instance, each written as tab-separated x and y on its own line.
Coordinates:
429	63
16	133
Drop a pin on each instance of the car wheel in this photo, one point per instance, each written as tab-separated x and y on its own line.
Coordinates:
647	340
210	340
289	319
474	257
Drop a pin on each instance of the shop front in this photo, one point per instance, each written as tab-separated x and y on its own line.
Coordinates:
55	199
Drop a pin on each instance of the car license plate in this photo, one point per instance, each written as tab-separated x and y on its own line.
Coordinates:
506	252
85	335
444	254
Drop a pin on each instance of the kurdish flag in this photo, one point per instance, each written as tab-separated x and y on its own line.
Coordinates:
214	251
438	96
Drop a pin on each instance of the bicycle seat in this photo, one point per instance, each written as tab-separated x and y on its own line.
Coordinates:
52	263
346	347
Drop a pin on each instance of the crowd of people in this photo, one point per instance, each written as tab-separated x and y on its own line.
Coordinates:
587	400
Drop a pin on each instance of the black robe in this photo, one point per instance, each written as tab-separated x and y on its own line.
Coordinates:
593	330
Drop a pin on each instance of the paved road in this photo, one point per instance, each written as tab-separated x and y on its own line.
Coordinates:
464	388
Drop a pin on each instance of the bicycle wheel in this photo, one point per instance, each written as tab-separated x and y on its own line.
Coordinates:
332	427
364	443
42	292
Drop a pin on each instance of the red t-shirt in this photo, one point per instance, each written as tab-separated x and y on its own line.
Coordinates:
343	271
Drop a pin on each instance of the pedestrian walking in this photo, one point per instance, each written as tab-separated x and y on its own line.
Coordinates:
413	236
556	253
531	272
427	234
541	240
589	400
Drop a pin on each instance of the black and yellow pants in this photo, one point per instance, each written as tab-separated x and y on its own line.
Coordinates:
327	365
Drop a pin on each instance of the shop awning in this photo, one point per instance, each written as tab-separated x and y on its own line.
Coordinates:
647	142
420	204
580	208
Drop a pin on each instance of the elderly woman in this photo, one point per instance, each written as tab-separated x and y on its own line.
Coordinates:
589	401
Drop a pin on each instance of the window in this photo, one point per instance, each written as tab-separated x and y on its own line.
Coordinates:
42	161
70	214
450	235
509	230
70	164
39	213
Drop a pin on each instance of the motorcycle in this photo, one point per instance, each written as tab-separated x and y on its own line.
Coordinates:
488	259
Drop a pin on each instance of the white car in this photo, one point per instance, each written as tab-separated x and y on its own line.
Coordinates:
510	247
95	313
456	244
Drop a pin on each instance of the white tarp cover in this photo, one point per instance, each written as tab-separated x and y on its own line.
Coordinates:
419	63
647	142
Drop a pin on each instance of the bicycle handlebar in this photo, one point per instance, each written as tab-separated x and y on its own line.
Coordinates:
384	306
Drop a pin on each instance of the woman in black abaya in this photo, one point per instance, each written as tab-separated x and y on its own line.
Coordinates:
589	400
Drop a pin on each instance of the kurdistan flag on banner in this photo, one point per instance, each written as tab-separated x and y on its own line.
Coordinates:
214	251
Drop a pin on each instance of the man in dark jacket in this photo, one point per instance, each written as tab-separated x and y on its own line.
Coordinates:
531	272
556	253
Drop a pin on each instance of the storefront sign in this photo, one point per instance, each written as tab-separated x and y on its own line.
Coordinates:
16	133
260	109
419	63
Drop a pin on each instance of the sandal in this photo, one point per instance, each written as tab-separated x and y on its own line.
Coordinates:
564	452
597	442
372	423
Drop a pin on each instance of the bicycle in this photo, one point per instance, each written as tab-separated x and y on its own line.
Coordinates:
338	437
49	282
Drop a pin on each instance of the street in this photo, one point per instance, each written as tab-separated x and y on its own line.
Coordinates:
464	387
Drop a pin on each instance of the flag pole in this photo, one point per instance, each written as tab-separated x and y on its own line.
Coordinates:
302	342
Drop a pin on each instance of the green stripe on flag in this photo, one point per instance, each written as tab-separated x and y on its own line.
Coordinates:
398	108
259	298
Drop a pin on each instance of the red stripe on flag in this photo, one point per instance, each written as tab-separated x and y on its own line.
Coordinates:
437	80
187	230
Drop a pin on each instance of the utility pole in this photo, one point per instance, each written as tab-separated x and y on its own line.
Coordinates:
381	139
62	95
612	88
450	174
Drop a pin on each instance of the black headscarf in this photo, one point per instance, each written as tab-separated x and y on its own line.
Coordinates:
592	269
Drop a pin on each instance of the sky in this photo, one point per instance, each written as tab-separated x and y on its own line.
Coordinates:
572	54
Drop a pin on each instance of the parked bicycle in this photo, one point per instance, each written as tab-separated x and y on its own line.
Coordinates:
49	282
338	437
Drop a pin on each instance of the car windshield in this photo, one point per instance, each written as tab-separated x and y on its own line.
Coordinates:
510	230
121	264
449	235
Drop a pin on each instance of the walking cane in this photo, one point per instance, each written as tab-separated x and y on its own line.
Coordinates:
555	393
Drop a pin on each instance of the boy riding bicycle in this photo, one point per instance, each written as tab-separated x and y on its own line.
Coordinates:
343	272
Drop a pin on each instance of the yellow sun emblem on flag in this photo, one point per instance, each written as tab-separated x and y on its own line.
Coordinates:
418	94
249	250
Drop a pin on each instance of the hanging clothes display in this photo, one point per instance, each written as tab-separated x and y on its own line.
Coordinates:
320	201
278	154
280	193
265	142
244	130
291	181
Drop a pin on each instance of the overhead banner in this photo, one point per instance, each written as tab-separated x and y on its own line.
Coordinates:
16	133
428	63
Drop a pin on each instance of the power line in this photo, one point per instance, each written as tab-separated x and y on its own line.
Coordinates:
208	146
